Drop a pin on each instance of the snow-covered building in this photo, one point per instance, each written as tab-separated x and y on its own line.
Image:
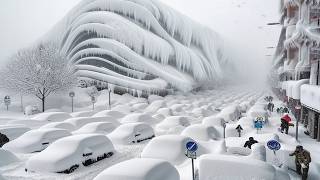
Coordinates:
296	61
140	45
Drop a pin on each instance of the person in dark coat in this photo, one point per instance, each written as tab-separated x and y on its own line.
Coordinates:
285	120
250	142
3	139
302	161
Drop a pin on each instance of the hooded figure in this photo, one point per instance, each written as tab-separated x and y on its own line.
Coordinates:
302	160
250	142
285	120
3	139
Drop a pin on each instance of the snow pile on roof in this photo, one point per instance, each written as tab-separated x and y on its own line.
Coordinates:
139	44
112	113
96	128
215	167
81	121
140	169
52	116
173	122
7	157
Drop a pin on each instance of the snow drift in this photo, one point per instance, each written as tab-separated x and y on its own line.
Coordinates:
139	44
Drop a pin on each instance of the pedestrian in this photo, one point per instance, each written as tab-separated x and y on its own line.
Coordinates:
3	139
285	120
285	110
270	106
250	142
302	161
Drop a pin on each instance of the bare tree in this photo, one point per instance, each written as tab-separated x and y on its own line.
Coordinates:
39	71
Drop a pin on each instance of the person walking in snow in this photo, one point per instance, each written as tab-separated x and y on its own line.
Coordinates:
3	139
285	121
302	161
250	142
270	106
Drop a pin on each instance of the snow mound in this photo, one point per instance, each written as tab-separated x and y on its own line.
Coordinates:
147	169
52	116
138	117
167	147
30	123
35	140
212	121
155	106
200	132
122	108
216	167
165	111
7	157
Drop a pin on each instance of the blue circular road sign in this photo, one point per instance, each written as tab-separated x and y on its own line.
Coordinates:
192	146
274	145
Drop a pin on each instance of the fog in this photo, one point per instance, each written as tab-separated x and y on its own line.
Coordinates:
240	23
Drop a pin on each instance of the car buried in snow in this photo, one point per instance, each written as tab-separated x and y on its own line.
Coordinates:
131	133
70	153
35	140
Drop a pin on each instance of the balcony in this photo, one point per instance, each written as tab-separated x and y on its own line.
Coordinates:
310	96
293	88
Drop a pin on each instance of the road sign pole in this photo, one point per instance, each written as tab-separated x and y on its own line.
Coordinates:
71	104
109	99
192	162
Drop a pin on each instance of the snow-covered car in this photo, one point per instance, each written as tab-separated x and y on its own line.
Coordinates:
81	121
60	125
96	127
167	147
112	113
138	117
52	116
83	114
200	132
7	157
69	153
31	110
173	122
35	140
140	169
30	123
13	131
131	133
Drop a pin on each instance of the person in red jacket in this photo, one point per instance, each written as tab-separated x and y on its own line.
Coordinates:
285	121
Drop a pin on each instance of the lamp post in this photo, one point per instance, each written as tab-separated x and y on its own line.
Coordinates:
71	94
109	90
298	108
7	101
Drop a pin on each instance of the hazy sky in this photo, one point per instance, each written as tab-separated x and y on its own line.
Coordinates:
241	23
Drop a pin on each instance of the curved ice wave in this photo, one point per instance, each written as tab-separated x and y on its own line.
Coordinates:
139	44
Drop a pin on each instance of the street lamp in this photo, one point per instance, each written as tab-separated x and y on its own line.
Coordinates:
71	94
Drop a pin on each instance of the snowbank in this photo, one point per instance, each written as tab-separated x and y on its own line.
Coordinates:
140	169
155	106
216	167
212	121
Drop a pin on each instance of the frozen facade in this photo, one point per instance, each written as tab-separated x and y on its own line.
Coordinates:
142	45
296	62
